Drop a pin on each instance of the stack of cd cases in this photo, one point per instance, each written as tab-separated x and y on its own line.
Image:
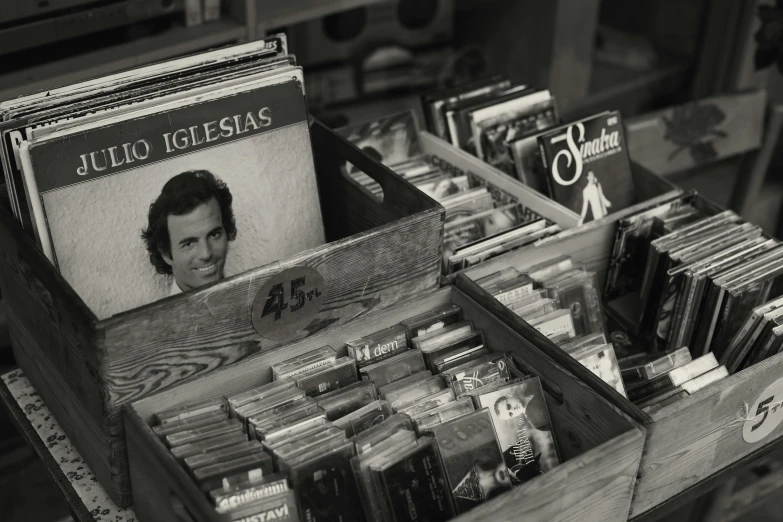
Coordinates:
561	300
385	424
482	222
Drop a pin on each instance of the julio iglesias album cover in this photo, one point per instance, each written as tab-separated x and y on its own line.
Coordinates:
150	204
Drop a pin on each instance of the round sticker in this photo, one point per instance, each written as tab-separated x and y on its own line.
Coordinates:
288	302
765	414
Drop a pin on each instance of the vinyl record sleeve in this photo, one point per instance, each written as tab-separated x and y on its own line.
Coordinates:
434	103
472	460
21	115
262	153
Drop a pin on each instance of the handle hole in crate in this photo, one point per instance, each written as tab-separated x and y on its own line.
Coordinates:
365	182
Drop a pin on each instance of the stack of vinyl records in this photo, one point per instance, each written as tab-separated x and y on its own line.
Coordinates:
582	165
481	221
420	420
116	177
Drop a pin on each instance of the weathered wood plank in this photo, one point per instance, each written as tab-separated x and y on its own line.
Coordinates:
47	308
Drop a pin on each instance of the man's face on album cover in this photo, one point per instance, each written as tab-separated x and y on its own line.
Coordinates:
198	246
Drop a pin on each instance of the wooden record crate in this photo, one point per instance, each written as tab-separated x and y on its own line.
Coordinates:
459	162
600	446
648	188
688	441
378	253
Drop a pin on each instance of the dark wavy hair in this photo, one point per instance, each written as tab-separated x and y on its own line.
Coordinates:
180	195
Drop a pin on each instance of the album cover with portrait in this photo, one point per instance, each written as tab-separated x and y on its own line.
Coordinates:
521	420
145	204
587	166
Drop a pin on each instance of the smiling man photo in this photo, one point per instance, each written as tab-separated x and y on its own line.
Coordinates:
188	230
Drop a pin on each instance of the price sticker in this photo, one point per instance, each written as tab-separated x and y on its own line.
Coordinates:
288	302
765	415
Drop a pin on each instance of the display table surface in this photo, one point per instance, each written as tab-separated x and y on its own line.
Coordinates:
85	496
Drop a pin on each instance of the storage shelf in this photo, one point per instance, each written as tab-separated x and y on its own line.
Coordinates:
174	42
613	87
274	13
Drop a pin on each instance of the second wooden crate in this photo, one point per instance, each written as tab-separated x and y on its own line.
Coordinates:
687	442
600	446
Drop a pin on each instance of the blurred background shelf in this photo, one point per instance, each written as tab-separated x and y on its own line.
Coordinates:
171	42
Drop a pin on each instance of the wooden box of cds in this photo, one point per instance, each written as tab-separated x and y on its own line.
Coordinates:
648	187
377	252
716	415
596	448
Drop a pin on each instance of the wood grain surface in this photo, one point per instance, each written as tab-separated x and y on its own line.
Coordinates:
169	341
51	313
700	435
595	483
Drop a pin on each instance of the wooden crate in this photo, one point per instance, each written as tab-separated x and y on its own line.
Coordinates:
590	242
378	253
688	441
458	161
601	447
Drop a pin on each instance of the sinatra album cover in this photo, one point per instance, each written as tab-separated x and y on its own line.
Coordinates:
587	166
145	205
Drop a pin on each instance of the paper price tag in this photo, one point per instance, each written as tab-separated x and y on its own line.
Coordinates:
765	415
288	302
